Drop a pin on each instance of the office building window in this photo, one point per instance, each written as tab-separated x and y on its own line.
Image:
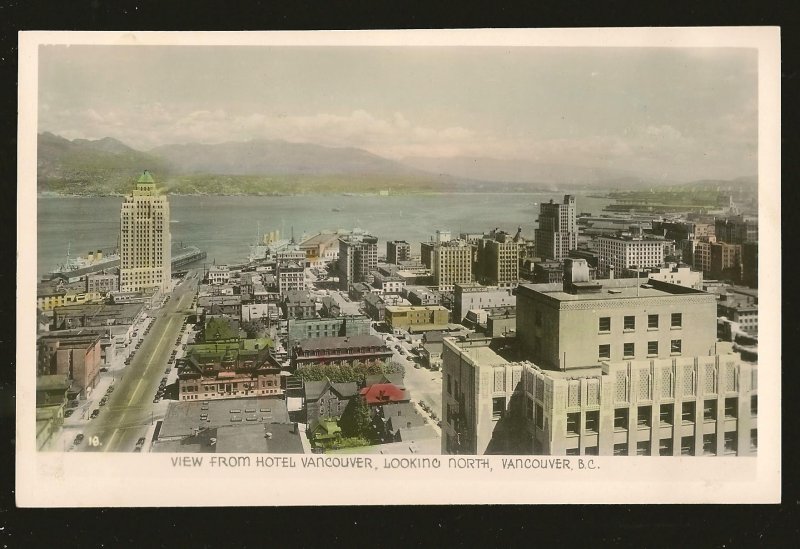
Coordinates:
643	416
573	423
627	350
449	387
753	439
731	445
710	410
621	449
710	444
665	414
731	408
754	405
621	419
593	421
498	407
592	451
539	417
652	322
665	447
629	323
687	412
677	320
687	446
652	348
573	451
643	448
530	408
604	351
605	324
675	346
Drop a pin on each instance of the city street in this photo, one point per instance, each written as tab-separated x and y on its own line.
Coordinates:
130	409
425	385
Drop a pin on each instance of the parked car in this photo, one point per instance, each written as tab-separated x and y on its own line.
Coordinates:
68	413
95	413
78	438
104	369
103	401
140	442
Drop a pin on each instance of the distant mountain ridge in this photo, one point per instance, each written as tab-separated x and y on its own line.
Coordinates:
108	166
275	157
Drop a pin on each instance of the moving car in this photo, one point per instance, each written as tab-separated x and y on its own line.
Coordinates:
140	442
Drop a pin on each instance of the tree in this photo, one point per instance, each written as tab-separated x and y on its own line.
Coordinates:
356	420
253	328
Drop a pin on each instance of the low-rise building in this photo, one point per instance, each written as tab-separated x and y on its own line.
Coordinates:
366	349
382	394
417	318
375	307
673	273
51	399
95	314
228	370
422	297
298	304
475	296
102	283
77	357
218	274
320	249
388	284
740	308
327	400
239	425
310	328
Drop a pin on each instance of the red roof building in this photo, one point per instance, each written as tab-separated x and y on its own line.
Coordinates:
383	393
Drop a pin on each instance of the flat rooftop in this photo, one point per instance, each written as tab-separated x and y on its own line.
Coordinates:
183	417
344	342
618	288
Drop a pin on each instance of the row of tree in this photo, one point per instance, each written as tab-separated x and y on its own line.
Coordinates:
342	373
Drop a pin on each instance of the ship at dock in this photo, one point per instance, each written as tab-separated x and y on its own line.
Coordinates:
75	268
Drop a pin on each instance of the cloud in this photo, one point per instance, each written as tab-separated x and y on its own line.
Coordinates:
659	148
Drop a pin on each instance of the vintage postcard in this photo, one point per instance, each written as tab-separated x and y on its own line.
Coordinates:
464	266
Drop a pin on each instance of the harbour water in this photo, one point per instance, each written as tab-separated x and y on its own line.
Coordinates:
225	226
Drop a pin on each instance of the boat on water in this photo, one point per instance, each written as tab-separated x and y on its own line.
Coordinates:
94	261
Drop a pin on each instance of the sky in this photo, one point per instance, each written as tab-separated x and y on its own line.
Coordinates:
666	113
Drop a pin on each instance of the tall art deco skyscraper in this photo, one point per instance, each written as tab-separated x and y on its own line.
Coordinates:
144	240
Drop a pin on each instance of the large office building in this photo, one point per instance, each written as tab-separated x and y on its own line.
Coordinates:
358	257
558	229
617	253
614	367
398	250
498	258
737	229
451	264
144	241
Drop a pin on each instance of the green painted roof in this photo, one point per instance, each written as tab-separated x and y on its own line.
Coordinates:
146	178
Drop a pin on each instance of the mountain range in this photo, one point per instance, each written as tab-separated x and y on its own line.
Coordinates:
108	166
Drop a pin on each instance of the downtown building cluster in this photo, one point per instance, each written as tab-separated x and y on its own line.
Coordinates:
631	334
